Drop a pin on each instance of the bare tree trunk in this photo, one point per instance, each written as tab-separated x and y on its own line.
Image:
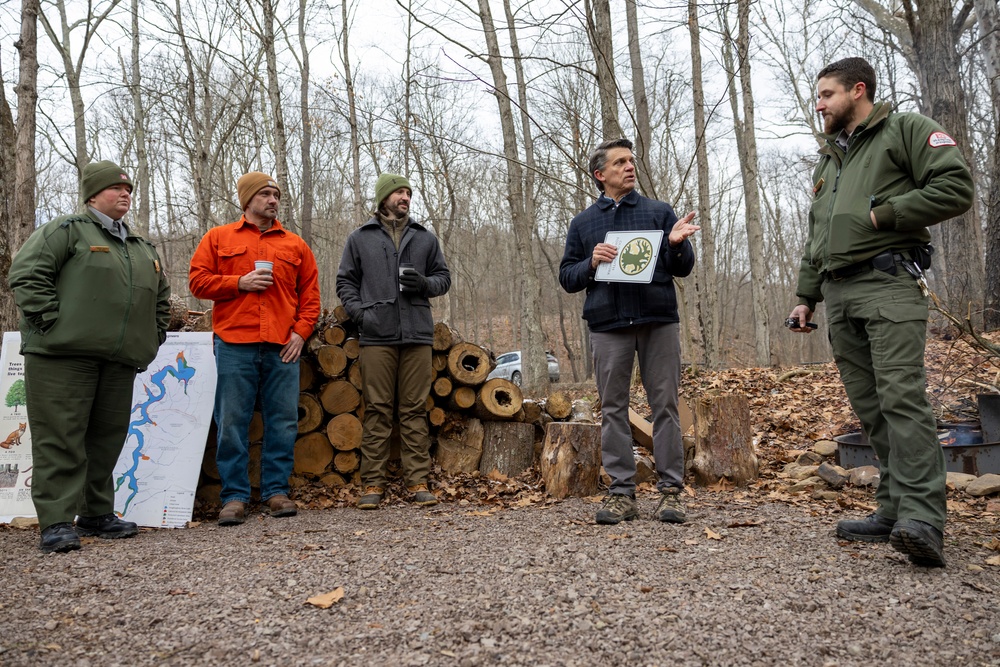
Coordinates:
17	158
307	167
705	278
72	69
352	118
274	96
989	25
531	324
643	128
746	141
599	32
141	215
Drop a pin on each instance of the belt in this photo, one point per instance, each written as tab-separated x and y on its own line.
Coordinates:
879	261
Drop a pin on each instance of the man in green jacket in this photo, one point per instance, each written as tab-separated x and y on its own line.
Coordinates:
883	178
94	310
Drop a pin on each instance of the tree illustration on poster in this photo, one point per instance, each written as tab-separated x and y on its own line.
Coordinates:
16	395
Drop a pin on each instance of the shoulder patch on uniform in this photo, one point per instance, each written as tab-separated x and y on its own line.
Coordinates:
73	218
939	139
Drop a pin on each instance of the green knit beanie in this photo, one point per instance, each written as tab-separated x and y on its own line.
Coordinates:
387	184
101	175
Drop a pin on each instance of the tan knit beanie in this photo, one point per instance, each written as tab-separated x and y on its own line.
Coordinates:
252	183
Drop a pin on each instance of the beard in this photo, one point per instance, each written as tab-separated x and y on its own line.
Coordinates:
833	123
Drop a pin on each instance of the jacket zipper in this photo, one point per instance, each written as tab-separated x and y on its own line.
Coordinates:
128	304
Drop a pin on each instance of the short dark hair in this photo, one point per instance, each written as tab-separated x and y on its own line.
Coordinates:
599	158
851	71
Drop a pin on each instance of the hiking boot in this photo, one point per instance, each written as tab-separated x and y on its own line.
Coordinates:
671	508
617	507
921	542
873	528
107	527
281	505
233	513
371	499
421	496
59	538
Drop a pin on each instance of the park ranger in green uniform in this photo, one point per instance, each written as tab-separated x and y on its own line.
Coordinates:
95	308
883	178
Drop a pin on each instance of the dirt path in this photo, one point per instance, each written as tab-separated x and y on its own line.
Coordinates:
464	584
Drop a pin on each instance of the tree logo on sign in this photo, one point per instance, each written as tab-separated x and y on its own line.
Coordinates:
635	256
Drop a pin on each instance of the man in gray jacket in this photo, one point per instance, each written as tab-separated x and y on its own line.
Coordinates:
391	266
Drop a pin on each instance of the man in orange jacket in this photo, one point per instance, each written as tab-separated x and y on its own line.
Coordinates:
265	286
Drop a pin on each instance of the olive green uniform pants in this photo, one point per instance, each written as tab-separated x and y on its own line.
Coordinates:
878	330
78	412
388	373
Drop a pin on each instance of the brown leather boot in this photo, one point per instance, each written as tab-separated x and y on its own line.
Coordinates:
421	496
233	513
282	505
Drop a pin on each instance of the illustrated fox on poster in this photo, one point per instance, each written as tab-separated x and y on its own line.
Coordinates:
15	437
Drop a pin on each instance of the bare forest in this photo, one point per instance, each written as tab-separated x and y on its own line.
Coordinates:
491	108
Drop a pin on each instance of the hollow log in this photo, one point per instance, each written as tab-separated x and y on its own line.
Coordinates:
571	459
723	440
462	398
354	376
339	397
310	413
256	430
332	360
352	348
470	364
508	447
461	449
347	462
498	399
313	454
344	432
334	335
307	373
441	387
439	362
436	416
444	337
558	405
581	412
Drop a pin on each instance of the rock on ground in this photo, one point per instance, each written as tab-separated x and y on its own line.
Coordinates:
461	584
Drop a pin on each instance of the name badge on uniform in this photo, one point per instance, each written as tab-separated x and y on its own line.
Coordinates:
100	248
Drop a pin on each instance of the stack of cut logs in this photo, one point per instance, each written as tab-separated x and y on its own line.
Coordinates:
478	424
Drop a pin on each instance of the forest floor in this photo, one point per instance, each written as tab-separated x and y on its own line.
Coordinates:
500	574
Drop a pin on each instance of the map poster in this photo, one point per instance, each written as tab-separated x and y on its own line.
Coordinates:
15	438
157	473
636	259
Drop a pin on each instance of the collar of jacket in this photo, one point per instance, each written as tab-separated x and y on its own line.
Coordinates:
274	228
878	114
605	202
375	222
89	215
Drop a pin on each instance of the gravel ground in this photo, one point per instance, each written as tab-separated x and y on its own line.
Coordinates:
465	584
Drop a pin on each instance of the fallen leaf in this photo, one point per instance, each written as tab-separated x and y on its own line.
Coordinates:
623	536
497	476
995	560
193	524
482	513
177	591
359	533
327	600
645	589
691	542
711	534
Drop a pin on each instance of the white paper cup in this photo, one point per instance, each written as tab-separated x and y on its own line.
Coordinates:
262	264
403	266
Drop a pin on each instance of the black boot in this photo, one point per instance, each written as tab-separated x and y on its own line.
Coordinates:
59	537
873	528
921	542
107	526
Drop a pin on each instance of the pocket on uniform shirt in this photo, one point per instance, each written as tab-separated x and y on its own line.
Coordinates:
233	260
286	266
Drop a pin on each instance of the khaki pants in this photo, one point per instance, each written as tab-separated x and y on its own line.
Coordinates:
388	373
878	330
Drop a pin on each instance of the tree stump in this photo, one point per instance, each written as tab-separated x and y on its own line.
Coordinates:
559	405
723	440
461	448
339	396
344	432
310	413
498	399
469	364
571	459
313	454
508	447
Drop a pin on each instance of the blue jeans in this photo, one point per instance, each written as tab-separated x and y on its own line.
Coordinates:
246	371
